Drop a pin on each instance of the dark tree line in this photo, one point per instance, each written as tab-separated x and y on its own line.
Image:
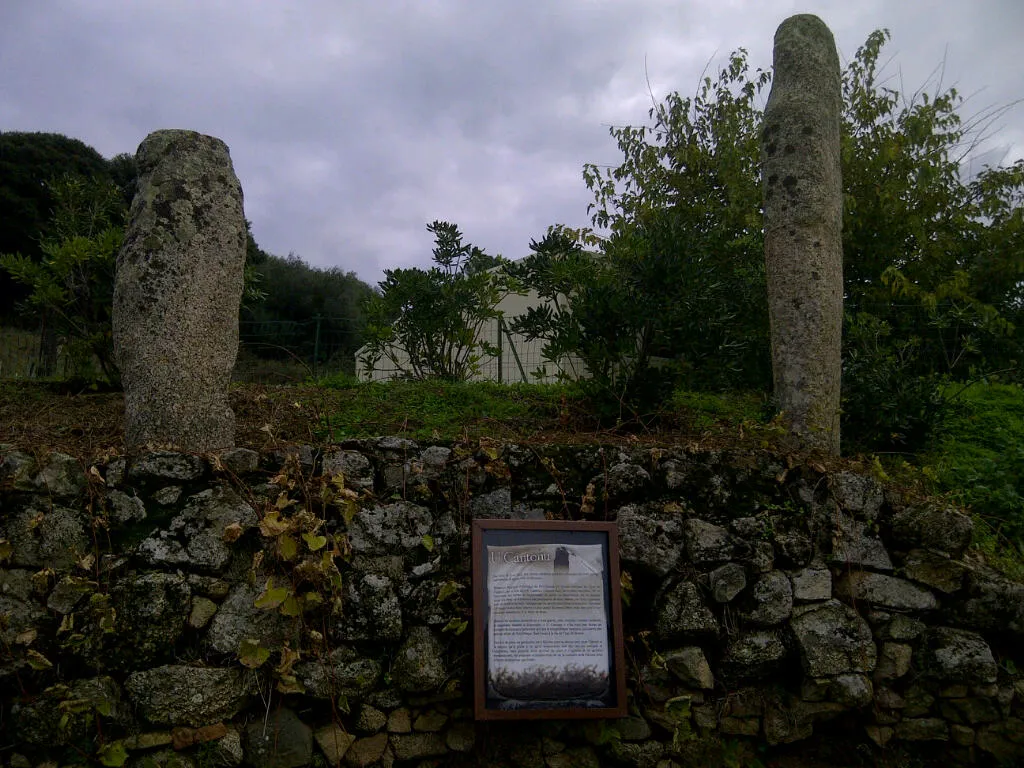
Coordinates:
62	212
29	162
304	310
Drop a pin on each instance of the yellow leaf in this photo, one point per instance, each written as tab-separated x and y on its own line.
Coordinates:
311	600
41	579
448	589
107	620
348	511
26	637
272	596
313	541
288	659
6	550
251	654
456	625
272	525
37	661
289	684
113	755
287	547
348	493
291	606
330	570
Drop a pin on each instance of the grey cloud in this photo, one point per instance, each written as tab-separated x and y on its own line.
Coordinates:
351	125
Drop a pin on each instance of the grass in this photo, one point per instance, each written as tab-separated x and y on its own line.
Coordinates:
708	410
977	457
441	410
425	410
86	422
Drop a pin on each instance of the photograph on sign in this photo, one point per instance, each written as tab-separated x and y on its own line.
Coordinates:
547	621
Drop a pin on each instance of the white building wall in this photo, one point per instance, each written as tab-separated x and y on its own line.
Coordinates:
518	356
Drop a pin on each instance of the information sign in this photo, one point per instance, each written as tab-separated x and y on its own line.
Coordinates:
547	620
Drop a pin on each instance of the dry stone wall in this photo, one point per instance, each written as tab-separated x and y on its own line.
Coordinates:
309	606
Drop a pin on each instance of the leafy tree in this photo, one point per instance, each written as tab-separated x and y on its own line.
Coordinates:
684	214
125	173
283	321
429	323
932	256
28	162
71	286
676	286
589	322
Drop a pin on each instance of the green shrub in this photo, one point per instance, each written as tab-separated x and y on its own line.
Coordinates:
979	455
889	402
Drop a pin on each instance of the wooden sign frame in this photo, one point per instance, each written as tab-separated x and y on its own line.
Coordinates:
546	574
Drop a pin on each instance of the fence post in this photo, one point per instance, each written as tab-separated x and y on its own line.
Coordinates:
501	364
316	344
515	354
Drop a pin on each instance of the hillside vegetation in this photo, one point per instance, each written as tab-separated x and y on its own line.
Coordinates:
662	299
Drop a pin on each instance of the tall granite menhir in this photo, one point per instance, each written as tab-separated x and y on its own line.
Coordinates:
178	289
803	211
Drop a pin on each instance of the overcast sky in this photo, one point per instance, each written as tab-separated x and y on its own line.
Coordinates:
353	123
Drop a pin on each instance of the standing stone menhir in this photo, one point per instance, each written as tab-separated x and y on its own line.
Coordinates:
177	294
803	212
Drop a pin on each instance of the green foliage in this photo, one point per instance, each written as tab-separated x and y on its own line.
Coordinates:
704	410
932	256
428	323
71	286
888	403
296	566
28	161
683	210
589	323
935	253
437	410
979	456
675	292
125	174
294	301
112	754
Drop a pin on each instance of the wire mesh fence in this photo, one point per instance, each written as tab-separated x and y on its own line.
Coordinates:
288	351
24	356
268	352
280	351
